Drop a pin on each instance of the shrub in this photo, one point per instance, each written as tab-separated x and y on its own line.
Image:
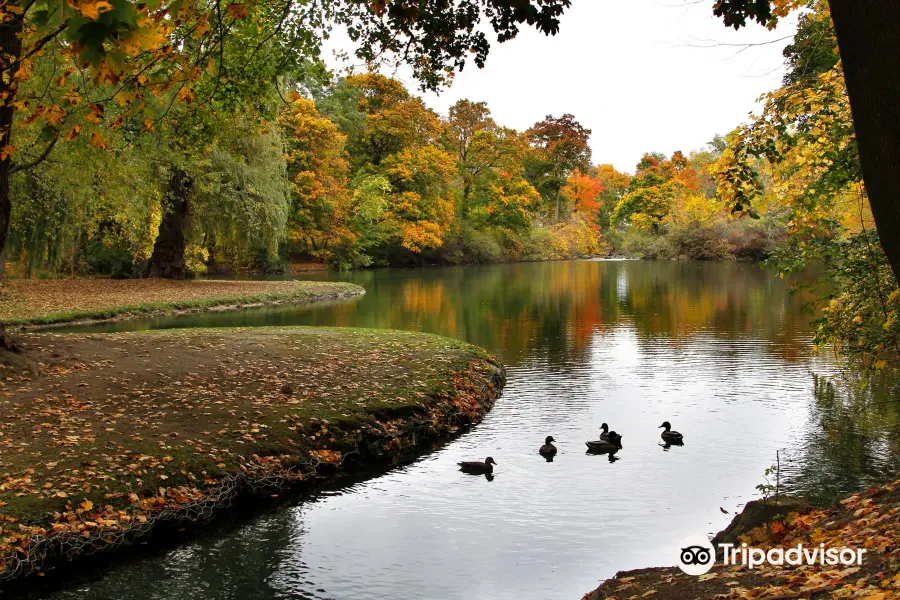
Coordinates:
644	244
468	245
699	242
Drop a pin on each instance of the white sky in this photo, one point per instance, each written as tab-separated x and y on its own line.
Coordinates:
631	71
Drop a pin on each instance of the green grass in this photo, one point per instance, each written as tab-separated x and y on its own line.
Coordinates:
198	404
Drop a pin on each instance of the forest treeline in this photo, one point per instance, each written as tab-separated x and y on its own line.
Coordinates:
362	173
202	169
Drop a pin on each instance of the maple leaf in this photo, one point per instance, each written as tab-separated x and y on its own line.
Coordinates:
7	151
87	505
92	9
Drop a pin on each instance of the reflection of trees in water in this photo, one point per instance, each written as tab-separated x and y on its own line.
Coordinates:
854	438
556	309
559	307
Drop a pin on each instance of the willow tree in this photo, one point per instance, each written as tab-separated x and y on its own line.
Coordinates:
198	52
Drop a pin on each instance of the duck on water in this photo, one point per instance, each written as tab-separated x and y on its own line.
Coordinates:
548	450
474	467
673	437
604	435
611	444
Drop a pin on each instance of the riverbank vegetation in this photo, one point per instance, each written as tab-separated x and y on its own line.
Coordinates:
35	302
122	430
867	520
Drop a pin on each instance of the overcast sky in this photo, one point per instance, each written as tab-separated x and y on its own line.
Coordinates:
632	72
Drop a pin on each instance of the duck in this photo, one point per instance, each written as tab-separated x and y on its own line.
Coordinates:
612	444
672	437
548	449
605	435
473	467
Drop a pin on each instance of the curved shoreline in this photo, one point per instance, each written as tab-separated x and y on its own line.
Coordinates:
132	299
386	431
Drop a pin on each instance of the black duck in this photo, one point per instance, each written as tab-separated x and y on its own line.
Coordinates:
669	436
473	467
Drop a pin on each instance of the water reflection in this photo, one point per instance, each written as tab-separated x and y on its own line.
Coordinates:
853	438
721	349
552	309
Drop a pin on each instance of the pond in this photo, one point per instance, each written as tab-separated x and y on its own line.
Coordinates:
722	350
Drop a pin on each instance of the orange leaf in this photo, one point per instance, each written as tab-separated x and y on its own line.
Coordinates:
187	95
237	11
73	133
97	141
92	9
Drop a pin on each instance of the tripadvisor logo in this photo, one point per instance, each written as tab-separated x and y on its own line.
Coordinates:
696	555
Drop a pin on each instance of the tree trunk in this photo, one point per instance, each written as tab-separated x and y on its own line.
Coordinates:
168	250
467	193
557	204
868	33
6	341
10	52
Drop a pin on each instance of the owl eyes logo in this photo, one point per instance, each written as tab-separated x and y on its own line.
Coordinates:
696	555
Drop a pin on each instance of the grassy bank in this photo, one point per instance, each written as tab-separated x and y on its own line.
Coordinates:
122	431
869	520
43	302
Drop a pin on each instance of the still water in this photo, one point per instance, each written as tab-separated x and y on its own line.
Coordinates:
722	350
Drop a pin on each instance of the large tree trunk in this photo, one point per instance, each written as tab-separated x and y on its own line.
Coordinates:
10	52
7	342
168	250
868	33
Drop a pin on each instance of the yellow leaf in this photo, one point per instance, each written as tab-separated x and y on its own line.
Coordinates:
880	364
73	97
86	505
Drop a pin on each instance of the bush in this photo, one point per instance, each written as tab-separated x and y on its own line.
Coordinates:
103	259
699	242
644	244
467	245
755	239
541	244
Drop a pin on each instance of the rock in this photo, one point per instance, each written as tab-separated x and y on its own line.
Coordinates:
756	513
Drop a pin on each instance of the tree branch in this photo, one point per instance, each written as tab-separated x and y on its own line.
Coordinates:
15	168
